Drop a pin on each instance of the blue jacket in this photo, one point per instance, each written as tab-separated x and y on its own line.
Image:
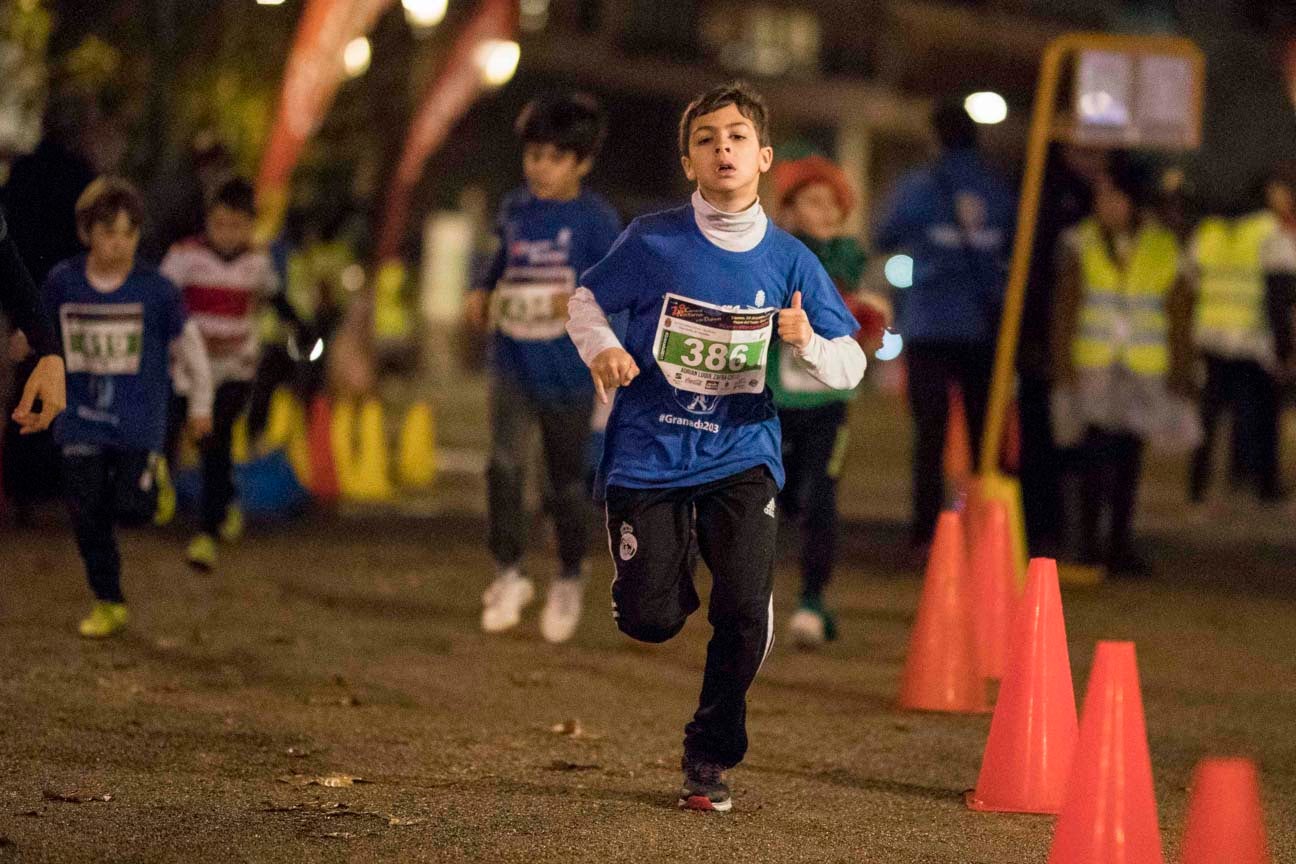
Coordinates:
955	217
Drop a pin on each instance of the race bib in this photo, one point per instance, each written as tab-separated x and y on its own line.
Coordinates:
102	339
528	307
706	349
795	377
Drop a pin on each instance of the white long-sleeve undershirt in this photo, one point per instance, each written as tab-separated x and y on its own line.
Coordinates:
190	352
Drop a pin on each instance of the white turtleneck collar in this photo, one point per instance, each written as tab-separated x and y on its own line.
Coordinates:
733	232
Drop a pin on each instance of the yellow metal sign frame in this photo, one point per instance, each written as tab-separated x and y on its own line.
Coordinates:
1044	129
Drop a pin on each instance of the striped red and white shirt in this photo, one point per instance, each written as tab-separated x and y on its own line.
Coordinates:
224	298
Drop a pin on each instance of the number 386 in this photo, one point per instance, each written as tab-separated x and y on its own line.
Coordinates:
714	356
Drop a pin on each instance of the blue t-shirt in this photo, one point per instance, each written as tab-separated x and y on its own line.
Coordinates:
547	243
117	347
956	219
661	436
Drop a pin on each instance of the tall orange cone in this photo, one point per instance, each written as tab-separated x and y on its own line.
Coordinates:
995	586
1225	820
1110	813
958	444
319	439
1033	733
941	671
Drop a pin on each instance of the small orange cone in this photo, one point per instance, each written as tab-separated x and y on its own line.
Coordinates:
995	586
1110	813
1033	733
958	444
319	435
1225	820
941	671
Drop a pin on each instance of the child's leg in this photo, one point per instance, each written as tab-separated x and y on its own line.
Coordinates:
217	462
825	449
736	533
134	486
512	416
650	535
87	483
565	433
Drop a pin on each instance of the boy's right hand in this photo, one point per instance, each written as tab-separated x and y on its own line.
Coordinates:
476	304
612	368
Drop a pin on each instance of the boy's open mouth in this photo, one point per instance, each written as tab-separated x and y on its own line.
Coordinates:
726	169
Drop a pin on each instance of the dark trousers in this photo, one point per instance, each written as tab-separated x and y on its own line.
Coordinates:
655	536
1041	468
275	369
104	488
564	433
1244	388
814	445
1113	463
933	367
214	450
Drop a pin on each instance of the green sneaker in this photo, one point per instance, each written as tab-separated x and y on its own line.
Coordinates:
232	528
104	620
166	494
201	553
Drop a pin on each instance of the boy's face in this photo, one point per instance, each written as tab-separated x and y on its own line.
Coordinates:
229	230
814	212
725	155
113	243
553	173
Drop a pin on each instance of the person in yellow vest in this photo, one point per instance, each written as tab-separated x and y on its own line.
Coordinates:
1121	342
1233	333
1278	258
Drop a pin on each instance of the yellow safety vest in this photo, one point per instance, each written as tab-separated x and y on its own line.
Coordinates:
1230	302
1123	315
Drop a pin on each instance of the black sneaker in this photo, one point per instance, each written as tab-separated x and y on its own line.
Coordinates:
704	787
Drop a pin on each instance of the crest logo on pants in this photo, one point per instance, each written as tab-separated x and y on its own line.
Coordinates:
629	543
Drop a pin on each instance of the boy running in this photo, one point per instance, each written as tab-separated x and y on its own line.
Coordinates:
550	231
224	281
693	443
116	323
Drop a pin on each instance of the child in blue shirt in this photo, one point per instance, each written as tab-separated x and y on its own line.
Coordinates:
116	323
693	443
550	231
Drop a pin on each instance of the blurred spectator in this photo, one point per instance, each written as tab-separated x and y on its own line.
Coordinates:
955	218
1069	178
1233	333
1122	346
178	208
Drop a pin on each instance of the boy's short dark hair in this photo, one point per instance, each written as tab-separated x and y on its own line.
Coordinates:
236	193
573	122
104	198
954	127
737	93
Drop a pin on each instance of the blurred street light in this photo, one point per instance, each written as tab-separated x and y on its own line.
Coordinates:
533	14
424	13
899	271
269	2
356	57
986	108
498	60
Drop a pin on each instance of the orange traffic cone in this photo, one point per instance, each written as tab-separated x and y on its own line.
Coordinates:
995	587
1110	813
1033	733
324	481
940	671
958	444
1225	820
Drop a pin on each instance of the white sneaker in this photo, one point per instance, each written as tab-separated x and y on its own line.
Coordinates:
504	600
806	629
562	610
